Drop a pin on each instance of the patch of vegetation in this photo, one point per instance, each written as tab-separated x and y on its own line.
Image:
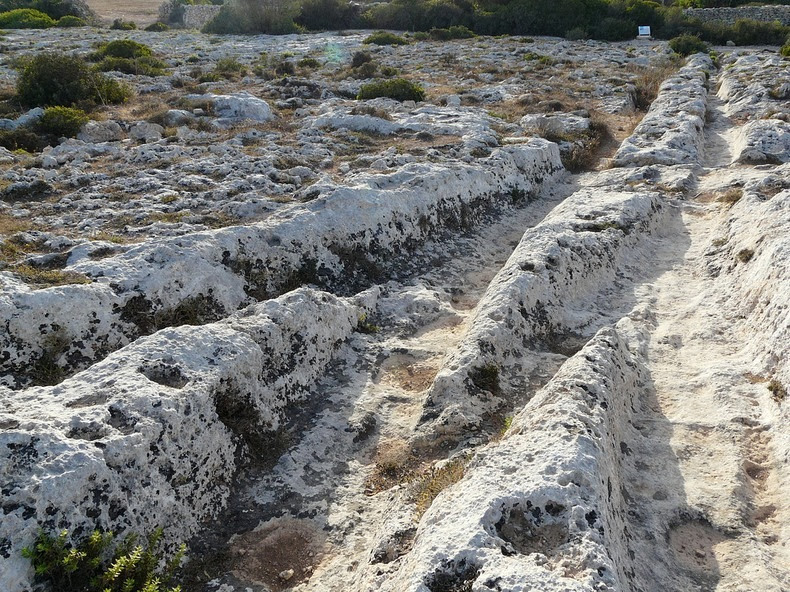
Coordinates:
22	139
648	82
25	18
731	196
62	122
685	45
437	480
145	66
485	378
124	48
399	89
785	50
385	38
52	79
46	278
70	20
230	68
250	16
365	326
778	391
454	32
122	25
157	27
745	255
94	566
310	63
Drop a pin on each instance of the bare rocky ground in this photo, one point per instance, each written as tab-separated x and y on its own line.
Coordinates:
347	345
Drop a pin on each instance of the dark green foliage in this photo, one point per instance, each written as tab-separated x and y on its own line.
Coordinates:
274	17
50	79
785	51
157	27
399	89
687	44
229	68
22	139
25	18
124	48
69	21
454	32
145	66
62	121
308	63
92	565
385	38
320	15
56	9
745	32
359	58
485	378
614	29
122	25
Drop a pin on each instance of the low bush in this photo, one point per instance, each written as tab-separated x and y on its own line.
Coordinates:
399	89
124	48
359	58
785	51
230	68
614	29
50	79
145	66
25	18
576	34
94	566
122	25
22	139
687	44
157	27
311	63
62	122
69	21
385	38
250	16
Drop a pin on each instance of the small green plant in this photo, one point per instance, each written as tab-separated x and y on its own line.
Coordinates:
157	27
785	50
485	378
437	480
93	566
385	38
310	63
688	44
62	122
230	68
399	89
25	18
70	20
122	25
144	66
778	391
420	36
365	326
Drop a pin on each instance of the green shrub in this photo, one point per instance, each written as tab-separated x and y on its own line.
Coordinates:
359	58
124	48
51	79
308	63
420	36
687	44
252	16
614	29
157	27
144	66
399	89
25	18
62	121
22	139
385	38
230	68
366	70
785	51
576	34
93	566
122	25
71	21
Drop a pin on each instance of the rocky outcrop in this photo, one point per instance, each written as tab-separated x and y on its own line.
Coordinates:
671	132
353	231
154	434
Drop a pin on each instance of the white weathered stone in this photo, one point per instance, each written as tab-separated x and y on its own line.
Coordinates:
95	132
146	132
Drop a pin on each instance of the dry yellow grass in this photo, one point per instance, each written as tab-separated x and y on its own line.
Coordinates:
142	12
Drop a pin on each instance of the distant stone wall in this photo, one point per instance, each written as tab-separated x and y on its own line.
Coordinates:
195	17
778	12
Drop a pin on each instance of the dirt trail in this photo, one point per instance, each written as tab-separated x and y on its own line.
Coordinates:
705	468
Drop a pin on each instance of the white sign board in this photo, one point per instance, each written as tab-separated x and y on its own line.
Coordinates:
644	31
